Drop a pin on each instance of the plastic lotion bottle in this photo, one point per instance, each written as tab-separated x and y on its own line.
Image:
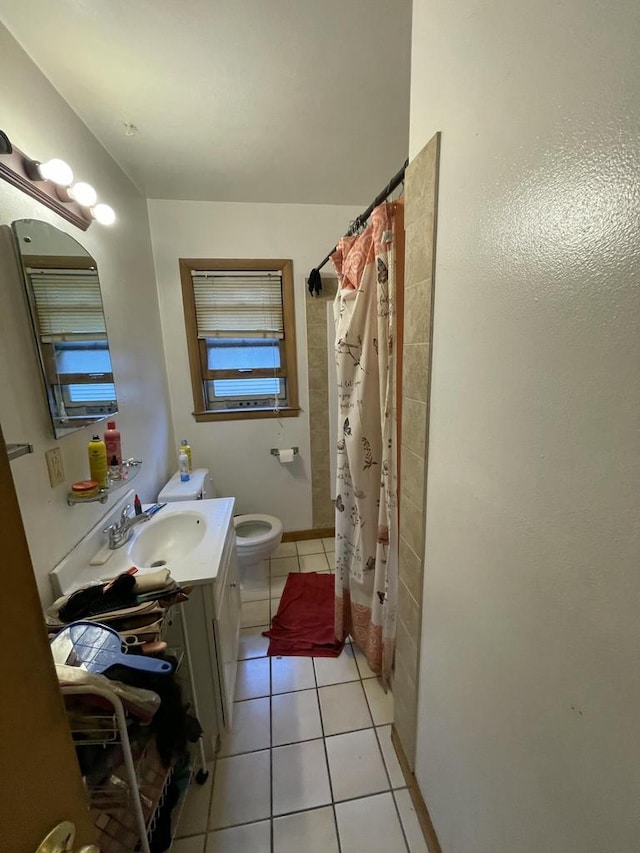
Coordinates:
183	466
112	442
184	446
98	461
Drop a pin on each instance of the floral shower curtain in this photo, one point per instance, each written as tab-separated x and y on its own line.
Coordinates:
366	490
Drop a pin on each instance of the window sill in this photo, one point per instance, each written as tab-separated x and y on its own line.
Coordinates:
247	414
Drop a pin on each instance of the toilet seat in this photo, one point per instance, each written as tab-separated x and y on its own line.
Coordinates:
272	529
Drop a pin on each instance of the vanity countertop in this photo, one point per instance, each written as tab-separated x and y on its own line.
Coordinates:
200	566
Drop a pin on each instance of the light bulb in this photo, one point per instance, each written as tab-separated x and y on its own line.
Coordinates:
103	214
83	193
57	171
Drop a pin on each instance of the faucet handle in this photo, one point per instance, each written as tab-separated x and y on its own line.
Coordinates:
125	513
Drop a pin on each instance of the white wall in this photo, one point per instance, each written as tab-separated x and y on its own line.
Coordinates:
529	707
41	124
237	452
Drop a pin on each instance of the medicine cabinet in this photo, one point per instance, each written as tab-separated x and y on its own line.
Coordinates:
65	304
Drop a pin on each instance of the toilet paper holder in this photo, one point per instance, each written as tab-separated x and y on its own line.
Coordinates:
276	452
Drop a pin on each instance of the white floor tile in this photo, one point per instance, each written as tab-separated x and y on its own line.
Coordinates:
380	703
277	585
300	779
291	673
252	643
296	717
344	708
309	546
275	603
363	666
254	837
195	844
251	728
306	832
331	559
242	788
412	829
390	758
356	765
195	811
329	544
314	563
370	824
253	679
336	670
254	613
284	565
285	549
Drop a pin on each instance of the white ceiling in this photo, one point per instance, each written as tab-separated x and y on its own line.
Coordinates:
301	101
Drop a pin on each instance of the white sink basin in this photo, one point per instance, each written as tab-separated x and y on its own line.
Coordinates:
166	539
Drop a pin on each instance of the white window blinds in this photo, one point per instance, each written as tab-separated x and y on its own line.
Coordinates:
238	304
68	305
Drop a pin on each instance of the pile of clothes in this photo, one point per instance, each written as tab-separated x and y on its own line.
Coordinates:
159	724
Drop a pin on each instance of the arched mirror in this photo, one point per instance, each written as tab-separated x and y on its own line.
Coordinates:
63	291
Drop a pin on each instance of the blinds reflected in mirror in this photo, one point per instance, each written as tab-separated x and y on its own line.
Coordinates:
68	304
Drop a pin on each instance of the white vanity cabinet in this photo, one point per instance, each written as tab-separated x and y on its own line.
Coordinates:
212	621
212	613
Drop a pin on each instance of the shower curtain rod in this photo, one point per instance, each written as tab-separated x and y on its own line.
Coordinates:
395	181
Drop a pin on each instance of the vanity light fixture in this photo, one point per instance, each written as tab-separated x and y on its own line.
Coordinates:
103	214
53	170
51	183
83	193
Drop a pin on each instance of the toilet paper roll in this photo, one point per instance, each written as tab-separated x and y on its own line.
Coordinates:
285	455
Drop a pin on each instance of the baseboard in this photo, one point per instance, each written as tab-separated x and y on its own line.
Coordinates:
316	533
422	812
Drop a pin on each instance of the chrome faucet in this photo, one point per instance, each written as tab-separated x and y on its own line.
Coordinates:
120	531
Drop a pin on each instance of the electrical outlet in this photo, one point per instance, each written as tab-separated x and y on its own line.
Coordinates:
55	466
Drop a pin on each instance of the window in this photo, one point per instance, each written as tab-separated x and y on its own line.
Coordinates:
70	326
240	327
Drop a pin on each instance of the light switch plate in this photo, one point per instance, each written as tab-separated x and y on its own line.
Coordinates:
55	466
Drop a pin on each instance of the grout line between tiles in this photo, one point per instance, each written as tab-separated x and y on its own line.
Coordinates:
326	758
386	770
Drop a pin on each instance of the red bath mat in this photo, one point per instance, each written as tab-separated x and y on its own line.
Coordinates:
305	621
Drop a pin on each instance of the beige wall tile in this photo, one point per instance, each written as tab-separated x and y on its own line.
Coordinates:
414	425
419	251
410	570
317	337
408	611
417	314
415	371
412	525
412	469
407	651
317	378
420	183
405	719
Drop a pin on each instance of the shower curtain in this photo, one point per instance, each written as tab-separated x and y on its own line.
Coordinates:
366	489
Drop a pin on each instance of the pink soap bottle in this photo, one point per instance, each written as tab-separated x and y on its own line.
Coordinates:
112	443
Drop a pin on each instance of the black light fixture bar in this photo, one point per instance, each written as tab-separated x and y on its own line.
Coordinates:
14	168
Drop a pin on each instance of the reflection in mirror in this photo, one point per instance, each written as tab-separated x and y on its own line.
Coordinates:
63	291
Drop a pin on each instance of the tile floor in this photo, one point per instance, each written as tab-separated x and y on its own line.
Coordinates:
309	766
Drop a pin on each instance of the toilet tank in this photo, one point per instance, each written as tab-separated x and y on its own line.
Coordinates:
198	487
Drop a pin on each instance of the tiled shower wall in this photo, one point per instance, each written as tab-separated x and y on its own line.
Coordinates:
322	444
420	217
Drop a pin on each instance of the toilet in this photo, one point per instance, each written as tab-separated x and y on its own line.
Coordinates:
257	536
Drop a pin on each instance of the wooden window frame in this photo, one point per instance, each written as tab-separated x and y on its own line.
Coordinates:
198	364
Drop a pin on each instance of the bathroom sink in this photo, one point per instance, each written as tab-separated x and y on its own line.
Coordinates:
165	540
